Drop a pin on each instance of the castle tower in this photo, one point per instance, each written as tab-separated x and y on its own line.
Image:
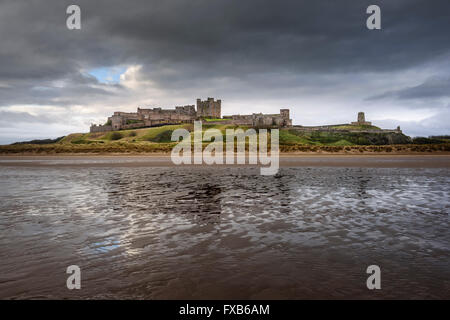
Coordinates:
209	108
361	117
361	120
284	113
286	122
116	122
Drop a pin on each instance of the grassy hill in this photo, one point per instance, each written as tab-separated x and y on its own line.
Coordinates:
342	137
355	127
158	139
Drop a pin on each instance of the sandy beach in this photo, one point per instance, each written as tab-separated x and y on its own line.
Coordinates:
286	160
141	228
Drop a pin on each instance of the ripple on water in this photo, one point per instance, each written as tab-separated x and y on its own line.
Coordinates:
224	232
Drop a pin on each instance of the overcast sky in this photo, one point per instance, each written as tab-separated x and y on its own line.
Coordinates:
315	57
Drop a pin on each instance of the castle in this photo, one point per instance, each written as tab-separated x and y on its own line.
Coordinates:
209	109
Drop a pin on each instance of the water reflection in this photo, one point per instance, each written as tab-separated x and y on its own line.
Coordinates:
224	232
199	201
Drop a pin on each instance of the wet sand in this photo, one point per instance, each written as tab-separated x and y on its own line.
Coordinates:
224	233
288	161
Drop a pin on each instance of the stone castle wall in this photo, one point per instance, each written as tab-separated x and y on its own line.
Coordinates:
101	128
263	120
209	108
185	113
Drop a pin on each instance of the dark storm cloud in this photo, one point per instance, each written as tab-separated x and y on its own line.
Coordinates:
235	38
228	37
432	88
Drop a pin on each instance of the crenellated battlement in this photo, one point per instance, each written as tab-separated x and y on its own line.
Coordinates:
209	108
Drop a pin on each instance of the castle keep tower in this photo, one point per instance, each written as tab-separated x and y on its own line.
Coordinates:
209	108
284	114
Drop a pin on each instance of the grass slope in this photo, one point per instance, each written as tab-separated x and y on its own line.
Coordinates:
158	139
